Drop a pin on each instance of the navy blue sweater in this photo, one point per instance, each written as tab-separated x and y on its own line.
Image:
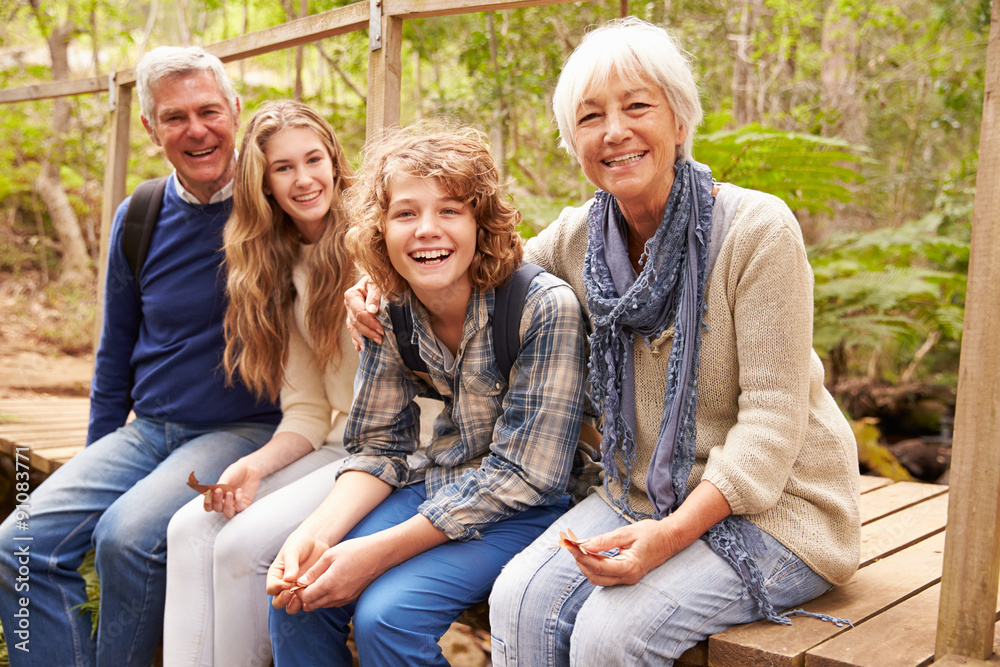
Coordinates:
160	353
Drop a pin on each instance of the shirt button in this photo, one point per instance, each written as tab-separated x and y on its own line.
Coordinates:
498	385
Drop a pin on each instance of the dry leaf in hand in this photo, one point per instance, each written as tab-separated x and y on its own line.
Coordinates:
571	542
208	488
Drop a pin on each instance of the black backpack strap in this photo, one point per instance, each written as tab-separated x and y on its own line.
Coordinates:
402	326
508	305
140	219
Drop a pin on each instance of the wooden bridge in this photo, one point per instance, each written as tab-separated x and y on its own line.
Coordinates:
911	601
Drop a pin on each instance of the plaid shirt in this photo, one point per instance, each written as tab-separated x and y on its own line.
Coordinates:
496	449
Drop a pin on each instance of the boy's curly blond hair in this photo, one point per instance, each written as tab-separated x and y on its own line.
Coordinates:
459	159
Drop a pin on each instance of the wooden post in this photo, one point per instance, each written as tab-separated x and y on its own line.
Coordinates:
115	168
967	612
385	66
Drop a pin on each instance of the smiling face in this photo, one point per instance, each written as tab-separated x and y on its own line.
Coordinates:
430	239
626	141
196	128
300	175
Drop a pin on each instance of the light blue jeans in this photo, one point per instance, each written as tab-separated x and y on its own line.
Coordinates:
117	496
399	618
544	612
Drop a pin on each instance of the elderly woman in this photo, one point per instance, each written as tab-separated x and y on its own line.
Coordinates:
731	486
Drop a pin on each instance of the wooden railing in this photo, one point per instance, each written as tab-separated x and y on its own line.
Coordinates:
967	614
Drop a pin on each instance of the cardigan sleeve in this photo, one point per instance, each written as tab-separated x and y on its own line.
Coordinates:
771	297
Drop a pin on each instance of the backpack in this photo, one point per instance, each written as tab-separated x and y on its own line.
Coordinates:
508	304
140	218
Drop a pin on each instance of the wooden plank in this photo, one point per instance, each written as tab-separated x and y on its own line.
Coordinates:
888	499
410	9
49	460
56	440
115	168
696	656
293	33
872	482
962	661
875	588
901	637
972	562
887	535
43	91
384	78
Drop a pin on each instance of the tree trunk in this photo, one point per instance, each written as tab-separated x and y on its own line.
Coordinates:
48	185
744	89
501	112
75	261
838	76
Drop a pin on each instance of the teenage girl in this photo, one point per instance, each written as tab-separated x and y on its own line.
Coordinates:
287	267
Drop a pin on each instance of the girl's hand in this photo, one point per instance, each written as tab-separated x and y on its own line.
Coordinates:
298	554
243	477
641	547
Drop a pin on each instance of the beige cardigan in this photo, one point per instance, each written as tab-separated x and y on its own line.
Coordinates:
770	436
314	403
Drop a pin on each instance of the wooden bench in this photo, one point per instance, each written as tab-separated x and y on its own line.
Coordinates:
892	601
45	431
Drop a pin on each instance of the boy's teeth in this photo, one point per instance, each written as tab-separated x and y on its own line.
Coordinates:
624	159
431	254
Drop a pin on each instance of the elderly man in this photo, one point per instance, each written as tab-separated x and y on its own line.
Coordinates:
159	356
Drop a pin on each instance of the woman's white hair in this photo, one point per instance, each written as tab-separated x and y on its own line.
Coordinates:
632	49
168	61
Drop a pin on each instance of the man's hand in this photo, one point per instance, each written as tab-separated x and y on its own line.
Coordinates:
342	573
362	301
298	554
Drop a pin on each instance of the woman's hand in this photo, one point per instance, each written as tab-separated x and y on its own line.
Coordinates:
647	544
242	476
362	301
641	547
298	554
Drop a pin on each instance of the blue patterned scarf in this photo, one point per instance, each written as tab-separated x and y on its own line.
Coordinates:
669	290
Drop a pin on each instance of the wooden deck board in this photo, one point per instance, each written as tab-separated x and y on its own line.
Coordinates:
873	590
901	637
48	430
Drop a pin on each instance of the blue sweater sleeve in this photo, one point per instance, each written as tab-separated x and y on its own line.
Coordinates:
110	398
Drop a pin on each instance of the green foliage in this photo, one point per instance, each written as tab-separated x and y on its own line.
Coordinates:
93	604
805	170
902	285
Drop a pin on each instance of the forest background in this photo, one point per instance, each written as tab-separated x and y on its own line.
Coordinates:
864	116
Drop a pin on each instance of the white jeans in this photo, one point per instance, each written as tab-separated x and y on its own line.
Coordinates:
216	607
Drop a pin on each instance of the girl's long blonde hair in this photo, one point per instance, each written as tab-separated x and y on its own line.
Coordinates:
261	244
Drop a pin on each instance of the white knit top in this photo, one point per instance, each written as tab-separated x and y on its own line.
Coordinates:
314	401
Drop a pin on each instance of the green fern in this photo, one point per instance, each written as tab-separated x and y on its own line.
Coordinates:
806	171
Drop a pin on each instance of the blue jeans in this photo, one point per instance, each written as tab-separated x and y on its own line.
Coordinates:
399	618
117	496
543	611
